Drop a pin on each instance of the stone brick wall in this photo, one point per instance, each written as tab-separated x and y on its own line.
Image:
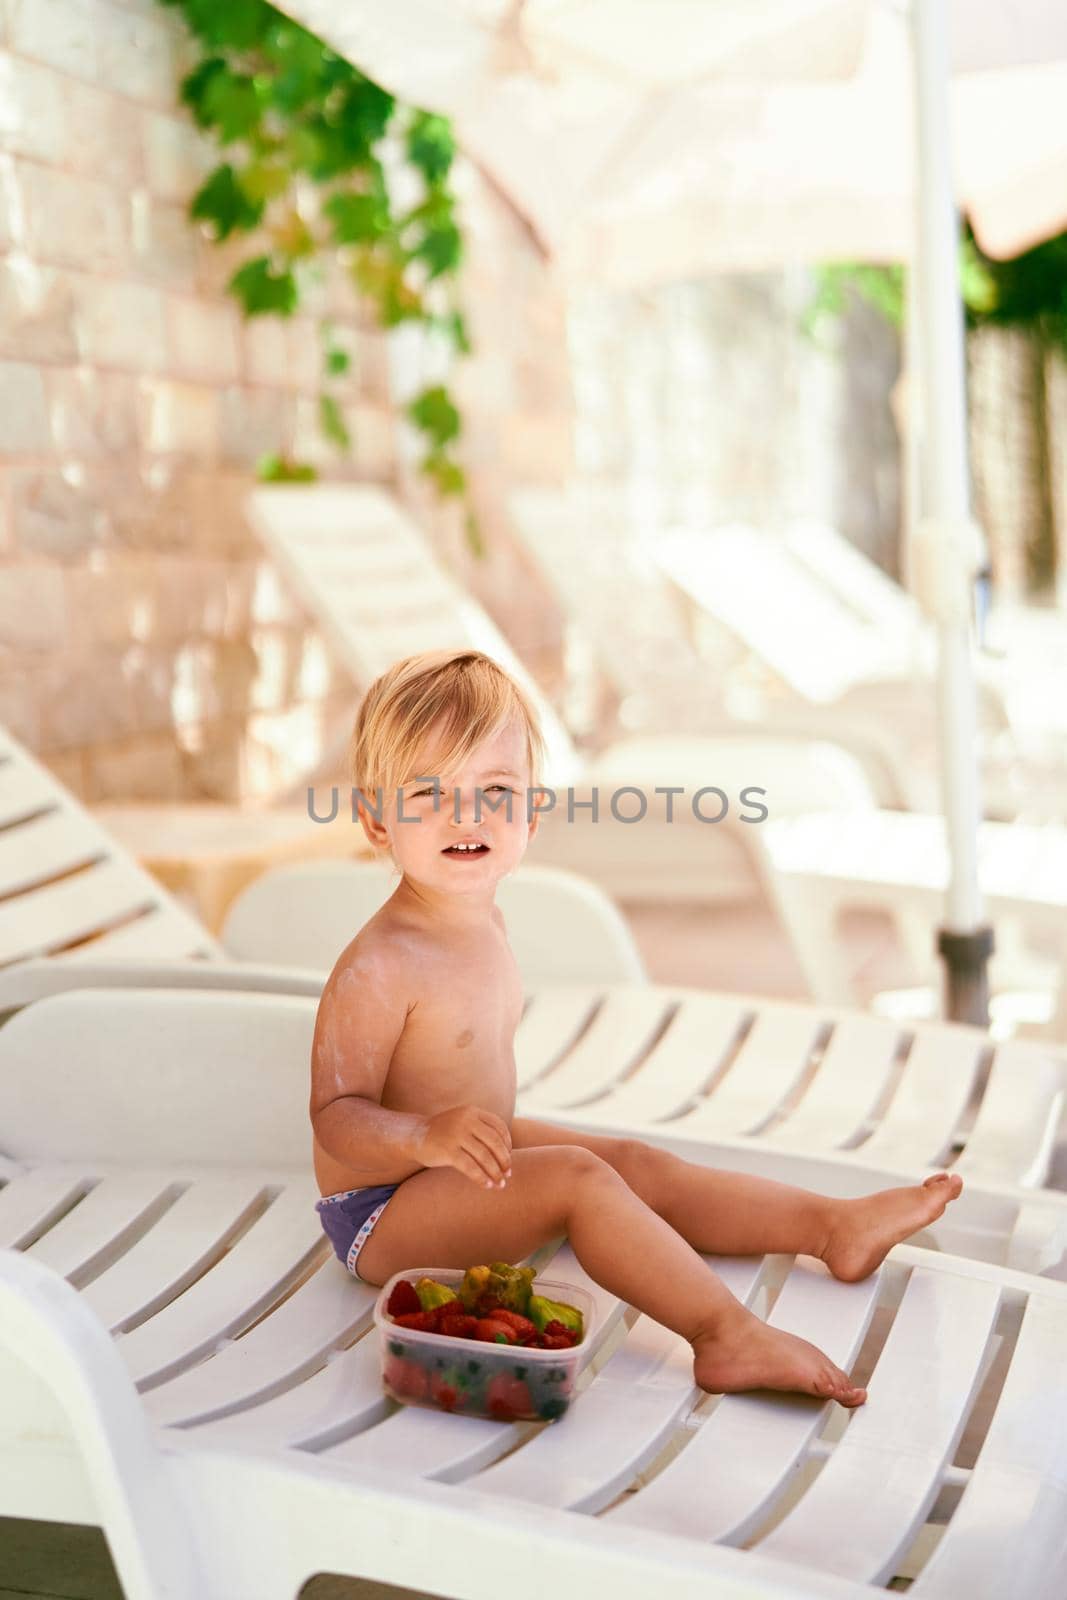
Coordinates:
146	649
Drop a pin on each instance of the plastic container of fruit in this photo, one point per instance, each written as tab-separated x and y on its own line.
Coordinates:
506	1383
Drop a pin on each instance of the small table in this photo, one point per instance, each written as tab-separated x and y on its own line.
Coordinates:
824	862
207	853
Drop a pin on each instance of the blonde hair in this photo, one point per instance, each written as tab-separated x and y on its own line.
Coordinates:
474	695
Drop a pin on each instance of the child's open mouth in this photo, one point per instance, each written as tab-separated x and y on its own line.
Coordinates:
460	852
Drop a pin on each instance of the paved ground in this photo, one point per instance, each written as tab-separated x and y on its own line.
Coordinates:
734	948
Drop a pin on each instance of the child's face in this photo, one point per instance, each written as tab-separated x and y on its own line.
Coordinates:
485	801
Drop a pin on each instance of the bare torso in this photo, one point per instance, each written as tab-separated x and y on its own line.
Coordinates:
464	997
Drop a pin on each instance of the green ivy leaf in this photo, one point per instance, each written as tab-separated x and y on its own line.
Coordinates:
237	25
473	530
437	240
276	468
356	217
337	361
441	248
223	201
430	146
383	279
266	180
332	421
433	412
448	478
195	86
302	69
261	289
292	237
233	103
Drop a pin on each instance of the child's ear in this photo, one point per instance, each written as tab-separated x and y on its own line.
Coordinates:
374	827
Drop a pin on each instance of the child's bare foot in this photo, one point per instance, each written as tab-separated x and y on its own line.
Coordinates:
864	1231
741	1352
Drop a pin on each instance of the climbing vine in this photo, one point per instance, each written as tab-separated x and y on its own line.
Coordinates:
311	153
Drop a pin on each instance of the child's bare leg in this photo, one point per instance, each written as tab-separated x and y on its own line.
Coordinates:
744	1215
440	1218
734	1214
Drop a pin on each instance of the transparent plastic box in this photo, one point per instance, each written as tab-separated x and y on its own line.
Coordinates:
507	1383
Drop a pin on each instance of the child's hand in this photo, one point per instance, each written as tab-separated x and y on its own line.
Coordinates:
475	1142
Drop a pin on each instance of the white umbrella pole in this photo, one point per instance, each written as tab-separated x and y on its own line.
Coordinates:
947	537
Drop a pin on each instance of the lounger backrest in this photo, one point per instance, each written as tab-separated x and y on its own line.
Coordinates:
375	586
595	552
752	584
94	1076
561	927
854	577
66	888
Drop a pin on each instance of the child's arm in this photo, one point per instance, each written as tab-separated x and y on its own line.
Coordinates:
360	1019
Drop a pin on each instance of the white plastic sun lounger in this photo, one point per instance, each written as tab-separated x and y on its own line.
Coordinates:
778	647
820	865
373	583
822	1085
232	1438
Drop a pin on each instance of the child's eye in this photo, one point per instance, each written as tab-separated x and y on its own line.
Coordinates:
502	786
420	792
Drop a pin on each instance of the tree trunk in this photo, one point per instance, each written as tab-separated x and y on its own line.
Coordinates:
1010	457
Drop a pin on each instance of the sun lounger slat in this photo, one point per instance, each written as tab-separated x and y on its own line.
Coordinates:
840	1101
619	1035
25	788
31	1202
1006	1536
699	1038
344	1396
732	1470
74	908
622	1420
295	1339
163	931
872	1496
552	1021
98	1224
187	1238
46	847
1015	1130
772	1061
250	1277
921	1119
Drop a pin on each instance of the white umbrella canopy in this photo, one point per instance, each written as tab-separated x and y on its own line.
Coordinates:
744	177
645	141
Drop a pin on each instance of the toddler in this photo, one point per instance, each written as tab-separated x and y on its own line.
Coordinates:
418	1153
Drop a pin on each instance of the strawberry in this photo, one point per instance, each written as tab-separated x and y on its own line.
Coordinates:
406	1379
447	1395
556	1341
421	1321
508	1397
559	1330
403	1299
491	1331
524	1328
461	1327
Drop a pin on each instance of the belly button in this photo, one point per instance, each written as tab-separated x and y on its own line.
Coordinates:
464	1038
